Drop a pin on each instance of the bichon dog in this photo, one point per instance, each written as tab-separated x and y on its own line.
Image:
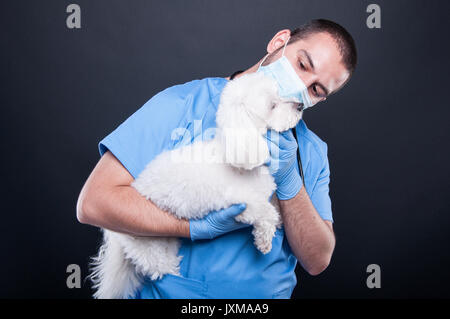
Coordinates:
205	176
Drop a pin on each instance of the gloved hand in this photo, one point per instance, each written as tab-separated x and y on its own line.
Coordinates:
216	223
283	163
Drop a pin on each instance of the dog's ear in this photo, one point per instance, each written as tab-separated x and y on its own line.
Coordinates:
241	134
245	145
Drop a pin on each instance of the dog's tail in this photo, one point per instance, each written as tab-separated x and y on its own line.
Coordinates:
112	274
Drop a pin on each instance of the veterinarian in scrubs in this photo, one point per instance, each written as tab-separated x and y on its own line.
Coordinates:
219	257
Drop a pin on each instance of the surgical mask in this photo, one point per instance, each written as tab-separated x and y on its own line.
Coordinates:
290	85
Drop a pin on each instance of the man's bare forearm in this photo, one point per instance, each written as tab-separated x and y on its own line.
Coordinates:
107	200
125	211
311	238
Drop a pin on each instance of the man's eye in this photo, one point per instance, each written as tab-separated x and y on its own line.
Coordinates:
316	93
302	66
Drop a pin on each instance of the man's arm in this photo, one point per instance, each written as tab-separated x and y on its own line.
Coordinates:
310	237
108	200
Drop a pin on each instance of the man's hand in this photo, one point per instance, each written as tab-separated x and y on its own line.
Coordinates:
283	162
216	223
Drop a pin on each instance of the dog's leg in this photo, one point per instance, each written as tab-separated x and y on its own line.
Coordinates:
265	219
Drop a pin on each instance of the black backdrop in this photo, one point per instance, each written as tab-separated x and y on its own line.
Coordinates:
387	131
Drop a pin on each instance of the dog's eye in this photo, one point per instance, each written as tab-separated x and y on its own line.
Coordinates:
273	105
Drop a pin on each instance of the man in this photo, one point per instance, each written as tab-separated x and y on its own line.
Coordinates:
219	258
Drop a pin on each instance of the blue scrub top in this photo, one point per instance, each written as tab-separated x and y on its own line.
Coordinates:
228	266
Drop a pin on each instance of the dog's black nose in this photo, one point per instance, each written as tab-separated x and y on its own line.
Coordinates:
300	107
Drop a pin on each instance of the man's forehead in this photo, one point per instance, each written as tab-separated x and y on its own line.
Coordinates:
336	83
324	53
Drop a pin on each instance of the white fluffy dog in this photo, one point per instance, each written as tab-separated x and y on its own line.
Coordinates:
193	180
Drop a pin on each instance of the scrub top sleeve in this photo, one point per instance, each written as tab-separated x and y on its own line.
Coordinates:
147	132
320	196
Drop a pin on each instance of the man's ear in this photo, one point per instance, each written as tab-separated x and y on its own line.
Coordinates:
278	40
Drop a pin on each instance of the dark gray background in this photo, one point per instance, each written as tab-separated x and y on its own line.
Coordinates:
387	131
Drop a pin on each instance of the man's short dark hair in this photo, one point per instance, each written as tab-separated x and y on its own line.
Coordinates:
343	39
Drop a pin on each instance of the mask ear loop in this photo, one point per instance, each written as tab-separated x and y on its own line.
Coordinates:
264	59
285	45
282	53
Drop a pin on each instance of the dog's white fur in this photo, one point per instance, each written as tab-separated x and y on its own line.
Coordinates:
193	180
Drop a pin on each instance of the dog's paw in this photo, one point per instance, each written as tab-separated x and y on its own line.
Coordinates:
264	246
159	274
263	238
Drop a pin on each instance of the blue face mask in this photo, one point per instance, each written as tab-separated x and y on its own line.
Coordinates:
290	85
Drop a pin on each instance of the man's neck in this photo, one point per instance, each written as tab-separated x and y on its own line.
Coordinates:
248	71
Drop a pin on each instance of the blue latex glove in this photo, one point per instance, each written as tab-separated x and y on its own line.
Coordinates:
216	223
283	163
